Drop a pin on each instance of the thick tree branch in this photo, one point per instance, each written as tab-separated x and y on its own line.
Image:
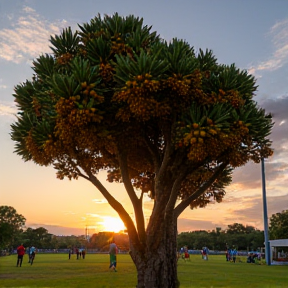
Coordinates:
182	174
181	169
165	163
122	157
81	174
136	202
154	153
117	206
184	204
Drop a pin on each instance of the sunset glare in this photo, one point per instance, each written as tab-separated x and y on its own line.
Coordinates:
112	224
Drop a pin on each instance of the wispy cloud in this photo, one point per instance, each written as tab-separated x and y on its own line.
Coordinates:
93	215
7	109
69	213
2	86
279	34
100	201
57	229
28	36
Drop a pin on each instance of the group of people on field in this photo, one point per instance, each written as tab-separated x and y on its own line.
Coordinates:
231	254
253	257
80	253
31	251
113	251
184	253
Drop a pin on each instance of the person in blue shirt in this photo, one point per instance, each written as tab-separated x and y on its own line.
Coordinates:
234	254
32	254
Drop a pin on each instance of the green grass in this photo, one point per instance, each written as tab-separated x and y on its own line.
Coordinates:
57	271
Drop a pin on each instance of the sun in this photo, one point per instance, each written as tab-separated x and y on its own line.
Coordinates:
112	224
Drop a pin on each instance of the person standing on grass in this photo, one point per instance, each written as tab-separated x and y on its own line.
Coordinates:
234	254
20	254
113	250
227	254
205	253
77	253
28	253
83	253
32	254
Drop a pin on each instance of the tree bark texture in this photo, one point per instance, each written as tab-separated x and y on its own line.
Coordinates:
157	266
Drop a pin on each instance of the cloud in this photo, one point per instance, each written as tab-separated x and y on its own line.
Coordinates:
8	109
186	225
28	37
2	86
69	213
93	215
249	177
100	201
58	230
277	107
279	34
253	209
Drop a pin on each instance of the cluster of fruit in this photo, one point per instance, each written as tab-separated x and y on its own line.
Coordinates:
106	71
140	95
35	151
64	58
211	140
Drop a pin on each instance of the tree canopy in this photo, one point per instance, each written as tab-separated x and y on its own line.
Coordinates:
278	228
238	228
156	115
11	224
38	237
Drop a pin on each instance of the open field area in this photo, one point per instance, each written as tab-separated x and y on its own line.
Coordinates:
56	270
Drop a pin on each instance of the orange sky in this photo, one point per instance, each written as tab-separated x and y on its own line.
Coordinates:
255	41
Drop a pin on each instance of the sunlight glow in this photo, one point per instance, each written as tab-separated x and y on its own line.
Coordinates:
112	224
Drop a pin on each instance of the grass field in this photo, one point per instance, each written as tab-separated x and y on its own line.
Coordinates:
56	270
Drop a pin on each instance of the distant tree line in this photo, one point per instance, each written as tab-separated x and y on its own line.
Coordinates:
13	232
236	235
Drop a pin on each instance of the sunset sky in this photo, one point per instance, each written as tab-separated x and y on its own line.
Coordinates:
251	34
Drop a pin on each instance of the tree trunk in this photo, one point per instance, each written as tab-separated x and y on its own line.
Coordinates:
157	267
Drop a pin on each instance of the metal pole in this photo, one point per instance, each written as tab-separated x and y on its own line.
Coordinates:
265	217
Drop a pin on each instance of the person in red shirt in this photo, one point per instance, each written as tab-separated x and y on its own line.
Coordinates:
20	252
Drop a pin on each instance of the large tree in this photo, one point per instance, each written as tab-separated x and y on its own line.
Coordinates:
157	116
237	228
11	226
278	228
38	237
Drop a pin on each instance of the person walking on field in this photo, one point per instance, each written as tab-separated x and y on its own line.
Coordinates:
113	250
20	254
